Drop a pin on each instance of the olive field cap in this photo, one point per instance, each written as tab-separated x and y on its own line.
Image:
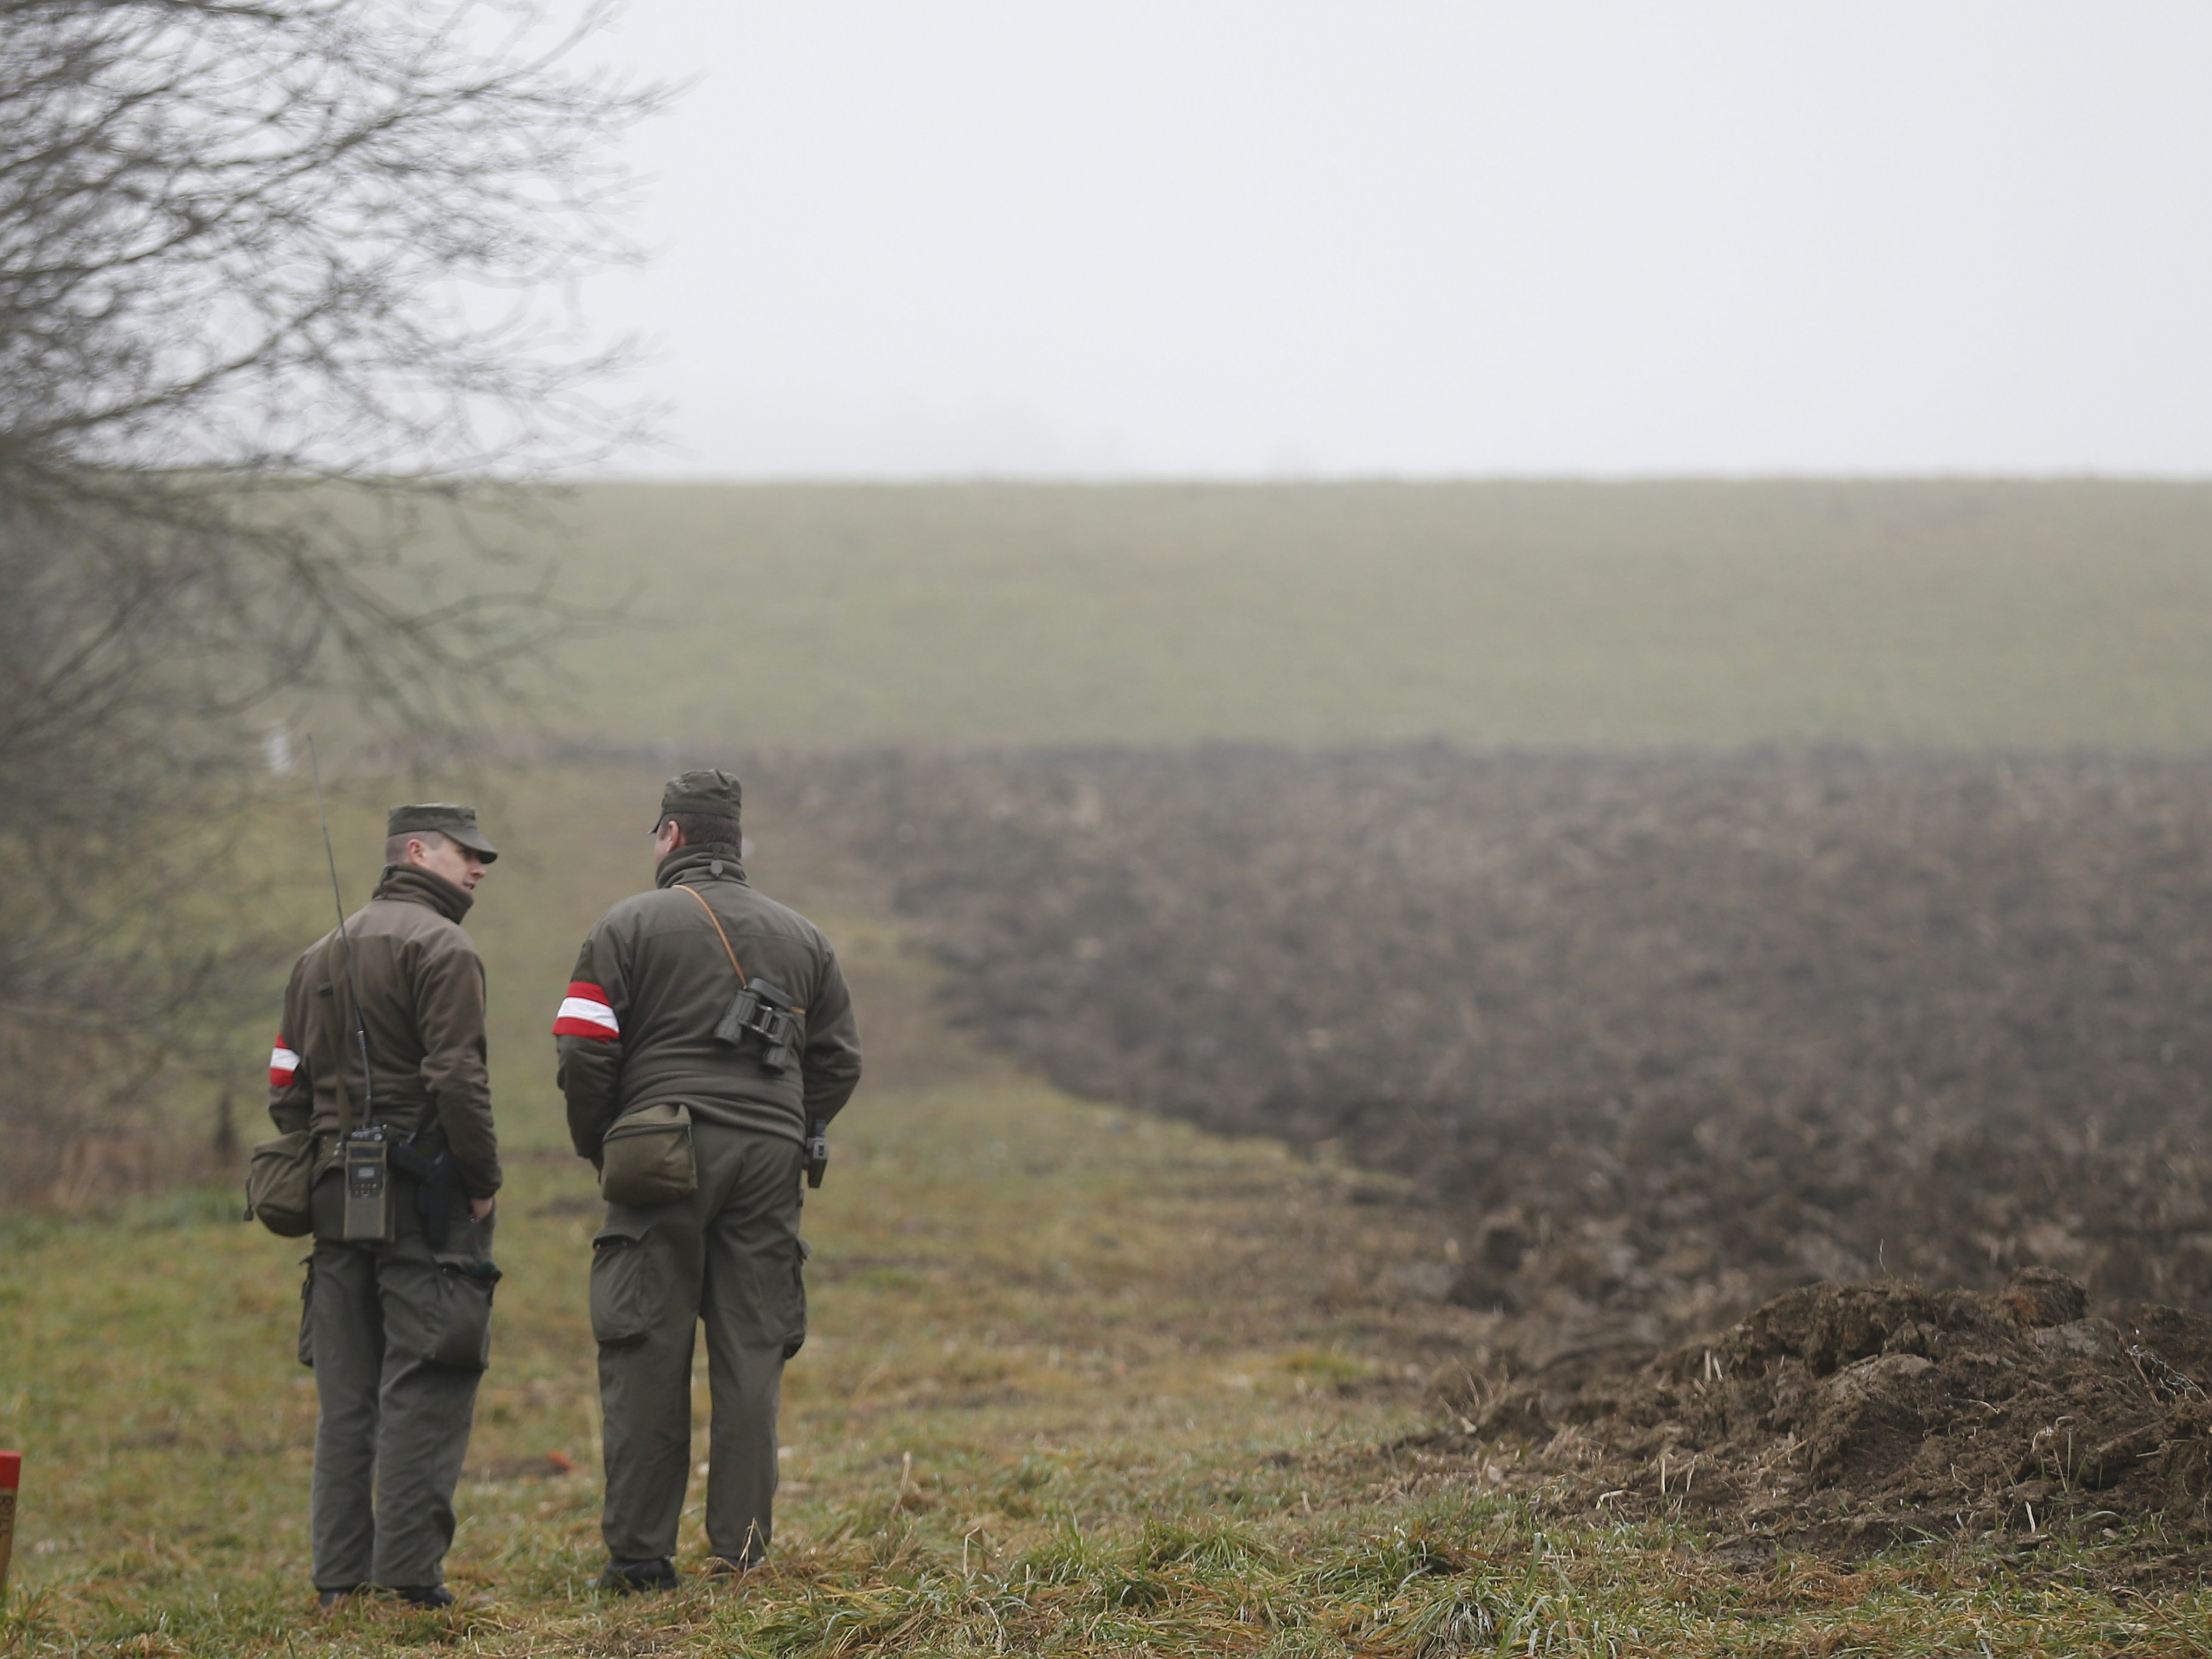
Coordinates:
455	822
707	791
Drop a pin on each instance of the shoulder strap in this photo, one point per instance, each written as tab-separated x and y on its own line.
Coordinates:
719	934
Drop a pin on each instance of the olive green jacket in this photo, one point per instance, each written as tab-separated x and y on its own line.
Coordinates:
653	981
423	999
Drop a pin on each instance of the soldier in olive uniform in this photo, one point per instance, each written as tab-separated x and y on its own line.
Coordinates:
397	1329
639	1028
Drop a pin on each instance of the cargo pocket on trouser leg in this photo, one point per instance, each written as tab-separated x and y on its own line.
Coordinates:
626	1290
307	1313
787	1298
460	1327
456	1317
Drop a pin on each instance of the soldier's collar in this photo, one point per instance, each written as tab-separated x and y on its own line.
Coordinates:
420	886
710	860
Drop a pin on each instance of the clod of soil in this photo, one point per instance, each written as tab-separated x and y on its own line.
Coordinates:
1851	1415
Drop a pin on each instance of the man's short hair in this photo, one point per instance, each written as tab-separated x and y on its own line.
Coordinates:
700	827
395	846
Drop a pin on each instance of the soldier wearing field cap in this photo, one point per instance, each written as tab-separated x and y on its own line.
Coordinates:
398	1325
706	1029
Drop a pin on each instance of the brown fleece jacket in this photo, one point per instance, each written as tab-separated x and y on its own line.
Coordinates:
653	981
423	999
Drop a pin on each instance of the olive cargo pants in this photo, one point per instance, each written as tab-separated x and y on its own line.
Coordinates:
729	1253
398	1336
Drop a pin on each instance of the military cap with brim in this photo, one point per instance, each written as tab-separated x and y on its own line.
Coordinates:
705	791
455	822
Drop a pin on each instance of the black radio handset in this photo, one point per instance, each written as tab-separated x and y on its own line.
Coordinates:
366	1163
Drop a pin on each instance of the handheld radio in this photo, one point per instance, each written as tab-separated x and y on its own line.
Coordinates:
367	1156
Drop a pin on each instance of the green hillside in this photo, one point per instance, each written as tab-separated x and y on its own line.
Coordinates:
1948	614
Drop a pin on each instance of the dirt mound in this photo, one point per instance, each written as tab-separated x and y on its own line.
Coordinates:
1862	1413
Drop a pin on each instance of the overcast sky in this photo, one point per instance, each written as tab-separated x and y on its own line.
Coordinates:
1306	237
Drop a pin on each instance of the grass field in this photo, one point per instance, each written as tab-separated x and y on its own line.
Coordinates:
1613	615
1079	1382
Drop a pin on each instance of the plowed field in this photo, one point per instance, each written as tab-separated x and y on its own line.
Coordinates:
1668	1035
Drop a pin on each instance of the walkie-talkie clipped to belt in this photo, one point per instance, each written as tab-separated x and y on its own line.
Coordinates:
364	1152
367	1164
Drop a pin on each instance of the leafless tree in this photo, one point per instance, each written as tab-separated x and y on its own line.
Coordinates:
277	278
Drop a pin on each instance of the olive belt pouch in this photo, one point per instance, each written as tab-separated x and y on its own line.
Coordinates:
280	1181
646	1157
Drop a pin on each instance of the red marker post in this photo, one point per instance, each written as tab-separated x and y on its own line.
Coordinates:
11	1477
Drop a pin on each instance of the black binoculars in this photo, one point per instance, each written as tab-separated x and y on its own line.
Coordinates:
761	1013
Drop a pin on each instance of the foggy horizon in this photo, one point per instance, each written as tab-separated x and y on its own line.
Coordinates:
1424	241
985	475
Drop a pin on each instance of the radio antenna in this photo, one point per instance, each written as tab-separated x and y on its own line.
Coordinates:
353	980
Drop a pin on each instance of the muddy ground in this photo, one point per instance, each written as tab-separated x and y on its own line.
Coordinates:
1844	1417
1667	1036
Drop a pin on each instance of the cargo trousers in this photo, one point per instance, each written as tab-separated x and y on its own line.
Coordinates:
399	1334
730	1255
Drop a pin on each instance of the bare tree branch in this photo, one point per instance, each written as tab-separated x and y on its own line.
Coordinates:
277	282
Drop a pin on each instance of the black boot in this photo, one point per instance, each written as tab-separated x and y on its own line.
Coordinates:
423	1596
628	1577
332	1598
